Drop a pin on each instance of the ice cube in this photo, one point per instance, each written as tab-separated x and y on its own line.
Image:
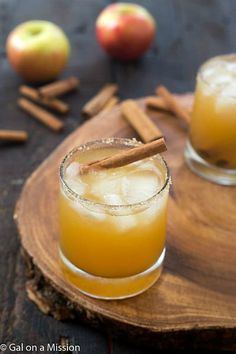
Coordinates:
113	199
148	215
149	165
76	185
106	184
125	222
122	222
221	79
72	170
139	186
79	187
230	89
209	71
218	74
231	67
95	214
225	101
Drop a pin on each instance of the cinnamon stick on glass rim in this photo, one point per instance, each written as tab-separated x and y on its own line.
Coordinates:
173	104
127	156
140	121
52	103
48	119
97	103
59	87
13	135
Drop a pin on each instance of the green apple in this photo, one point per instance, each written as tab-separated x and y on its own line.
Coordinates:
38	50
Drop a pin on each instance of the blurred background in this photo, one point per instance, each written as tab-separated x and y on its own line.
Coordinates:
188	33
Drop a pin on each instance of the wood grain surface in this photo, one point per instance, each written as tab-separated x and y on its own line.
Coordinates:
189	32
196	292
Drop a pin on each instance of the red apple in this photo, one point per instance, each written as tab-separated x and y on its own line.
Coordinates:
38	50
125	30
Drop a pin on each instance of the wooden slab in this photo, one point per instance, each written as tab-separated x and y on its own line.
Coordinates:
194	302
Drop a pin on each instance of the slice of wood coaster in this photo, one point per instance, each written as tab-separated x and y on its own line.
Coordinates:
194	302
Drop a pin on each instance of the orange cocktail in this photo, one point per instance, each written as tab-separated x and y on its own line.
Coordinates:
113	222
211	150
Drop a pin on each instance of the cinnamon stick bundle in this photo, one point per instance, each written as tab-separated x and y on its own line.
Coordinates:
13	135
141	123
59	88
52	103
40	114
173	104
97	103
127	156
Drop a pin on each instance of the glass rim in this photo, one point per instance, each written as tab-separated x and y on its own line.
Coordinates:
200	74
105	206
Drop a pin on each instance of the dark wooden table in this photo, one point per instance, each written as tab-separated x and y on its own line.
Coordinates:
189	32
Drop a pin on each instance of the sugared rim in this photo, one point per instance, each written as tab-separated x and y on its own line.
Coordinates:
200	74
75	196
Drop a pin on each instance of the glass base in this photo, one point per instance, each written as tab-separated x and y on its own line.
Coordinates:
204	169
111	288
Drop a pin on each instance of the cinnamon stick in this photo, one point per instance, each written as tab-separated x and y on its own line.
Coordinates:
157	103
60	87
97	103
52	103
141	123
127	156
40	114
110	104
13	135
173	104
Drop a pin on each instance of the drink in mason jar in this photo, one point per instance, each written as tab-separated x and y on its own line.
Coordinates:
211	149
112	222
